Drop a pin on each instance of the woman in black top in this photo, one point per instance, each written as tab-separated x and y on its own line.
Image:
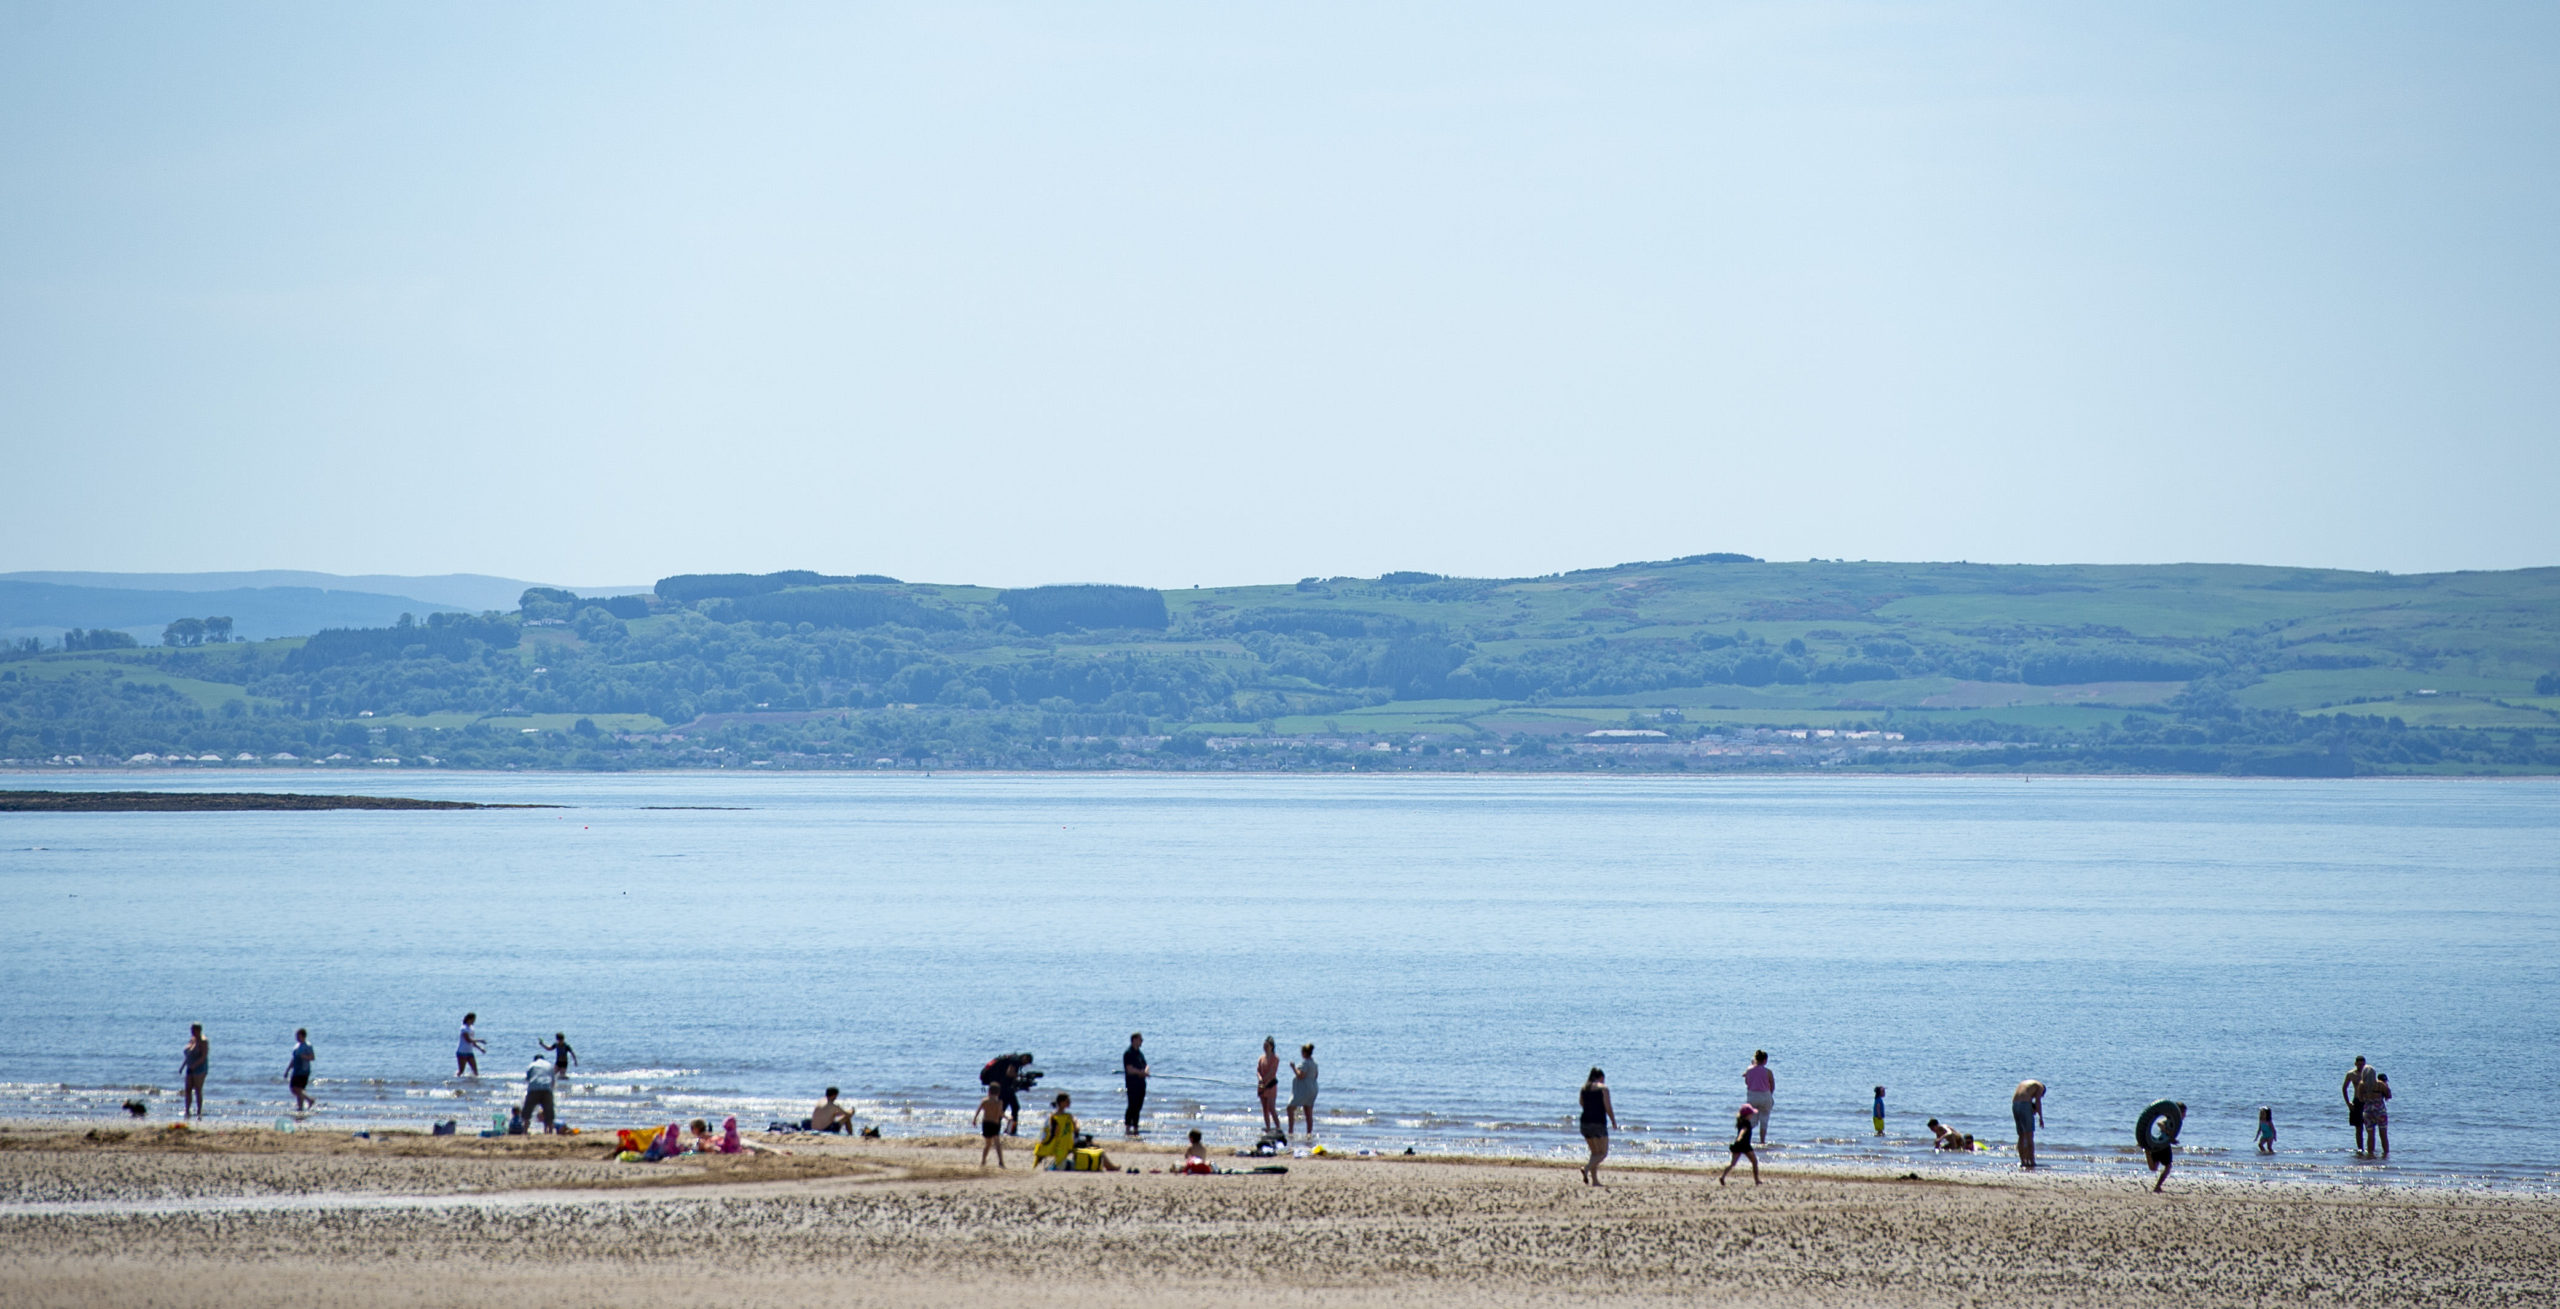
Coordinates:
1598	1116
1741	1148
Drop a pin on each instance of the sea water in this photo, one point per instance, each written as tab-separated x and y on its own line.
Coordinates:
1460	950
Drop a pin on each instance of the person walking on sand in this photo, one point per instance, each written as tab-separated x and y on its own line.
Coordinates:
1598	1116
1740	1147
1760	1091
2161	1155
1302	1089
1133	1074
467	1048
2026	1108
297	1069
1266	1085
194	1062
990	1121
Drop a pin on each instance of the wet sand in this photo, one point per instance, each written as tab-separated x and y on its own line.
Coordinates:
246	1217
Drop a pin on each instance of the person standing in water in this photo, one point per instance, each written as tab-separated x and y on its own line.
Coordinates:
2266	1129
1879	1111
1266	1085
467	1048
297	1069
2353	1092
561	1055
1133	1074
194	1062
1598	1116
1760	1091
2026	1108
2377	1116
1302	1088
1740	1147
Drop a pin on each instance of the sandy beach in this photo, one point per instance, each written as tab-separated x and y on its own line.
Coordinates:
251	1217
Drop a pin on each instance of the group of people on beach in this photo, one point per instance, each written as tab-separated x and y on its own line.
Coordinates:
2365	1089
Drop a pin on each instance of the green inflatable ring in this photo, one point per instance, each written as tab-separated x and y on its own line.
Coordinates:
2168	1113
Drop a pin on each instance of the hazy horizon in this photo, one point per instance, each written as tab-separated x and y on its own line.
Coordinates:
1171	296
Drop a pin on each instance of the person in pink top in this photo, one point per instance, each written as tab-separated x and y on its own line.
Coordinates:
1760	1091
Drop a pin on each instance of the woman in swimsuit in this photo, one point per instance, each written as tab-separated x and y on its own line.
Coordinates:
1740	1148
1266	1080
1598	1116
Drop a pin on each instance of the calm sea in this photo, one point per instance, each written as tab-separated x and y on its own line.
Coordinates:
1460	951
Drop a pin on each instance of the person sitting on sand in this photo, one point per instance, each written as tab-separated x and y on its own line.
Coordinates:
990	1120
701	1141
830	1116
1740	1147
1195	1156
1058	1139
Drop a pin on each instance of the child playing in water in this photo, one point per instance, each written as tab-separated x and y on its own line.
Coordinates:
2266	1130
990	1121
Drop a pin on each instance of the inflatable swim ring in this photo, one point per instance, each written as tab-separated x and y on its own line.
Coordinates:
2158	1125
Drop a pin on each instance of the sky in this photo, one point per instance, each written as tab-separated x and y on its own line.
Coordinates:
1209	294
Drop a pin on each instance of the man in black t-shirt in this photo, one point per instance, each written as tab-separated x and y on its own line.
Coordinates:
1133	1070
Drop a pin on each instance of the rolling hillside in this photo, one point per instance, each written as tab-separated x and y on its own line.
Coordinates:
1713	661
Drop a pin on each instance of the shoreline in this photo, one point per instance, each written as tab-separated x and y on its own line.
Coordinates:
319	1219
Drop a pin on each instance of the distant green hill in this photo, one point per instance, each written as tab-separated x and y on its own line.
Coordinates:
1707	662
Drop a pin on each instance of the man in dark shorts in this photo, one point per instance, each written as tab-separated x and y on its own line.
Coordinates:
1133	1072
2162	1157
297	1070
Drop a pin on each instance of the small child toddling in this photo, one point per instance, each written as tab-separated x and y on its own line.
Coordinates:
990	1120
2266	1129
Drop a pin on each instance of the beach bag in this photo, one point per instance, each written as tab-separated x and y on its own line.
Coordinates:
1086	1159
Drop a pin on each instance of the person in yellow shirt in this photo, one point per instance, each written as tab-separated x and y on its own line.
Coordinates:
1058	1139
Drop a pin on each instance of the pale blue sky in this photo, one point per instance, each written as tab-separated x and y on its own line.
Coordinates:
1213	293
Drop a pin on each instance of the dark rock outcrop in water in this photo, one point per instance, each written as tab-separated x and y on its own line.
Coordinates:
115	802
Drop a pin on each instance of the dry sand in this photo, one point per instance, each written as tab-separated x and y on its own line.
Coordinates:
242	1217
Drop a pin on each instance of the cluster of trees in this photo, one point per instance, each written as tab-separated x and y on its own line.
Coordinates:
196	631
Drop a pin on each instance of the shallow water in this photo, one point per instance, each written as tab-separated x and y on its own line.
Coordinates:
1460	949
